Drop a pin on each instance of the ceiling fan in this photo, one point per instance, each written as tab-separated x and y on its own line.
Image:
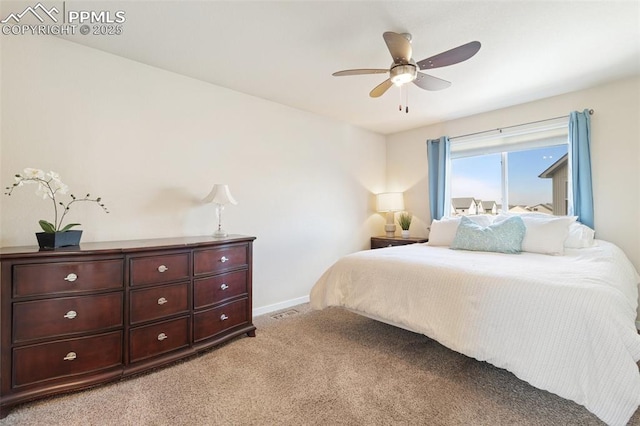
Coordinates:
405	70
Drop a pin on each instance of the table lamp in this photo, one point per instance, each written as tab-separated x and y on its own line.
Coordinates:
220	196
390	202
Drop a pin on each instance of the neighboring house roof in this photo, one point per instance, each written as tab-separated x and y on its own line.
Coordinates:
541	208
462	203
552	169
489	204
518	209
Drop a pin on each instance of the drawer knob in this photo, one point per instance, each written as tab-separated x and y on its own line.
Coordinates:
224	259
70	356
162	336
162	301
71	315
162	268
224	286
223	317
71	277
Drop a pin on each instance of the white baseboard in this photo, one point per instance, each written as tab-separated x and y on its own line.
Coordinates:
279	306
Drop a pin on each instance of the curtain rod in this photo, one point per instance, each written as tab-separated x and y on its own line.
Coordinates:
516	125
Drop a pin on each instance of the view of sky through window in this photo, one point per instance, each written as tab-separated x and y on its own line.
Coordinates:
480	177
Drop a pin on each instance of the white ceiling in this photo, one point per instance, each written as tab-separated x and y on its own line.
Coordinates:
285	51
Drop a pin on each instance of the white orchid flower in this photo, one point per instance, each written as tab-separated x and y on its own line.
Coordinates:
44	191
54	176
58	187
30	173
62	188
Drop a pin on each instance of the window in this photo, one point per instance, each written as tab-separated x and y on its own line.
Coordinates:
473	179
521	171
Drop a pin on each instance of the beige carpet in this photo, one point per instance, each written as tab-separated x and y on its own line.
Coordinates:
316	368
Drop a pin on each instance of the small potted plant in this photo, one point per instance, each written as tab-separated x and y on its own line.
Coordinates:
50	187
404	220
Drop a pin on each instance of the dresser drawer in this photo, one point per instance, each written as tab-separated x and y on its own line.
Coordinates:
66	315
218	288
65	358
159	269
157	302
50	278
215	321
156	339
219	259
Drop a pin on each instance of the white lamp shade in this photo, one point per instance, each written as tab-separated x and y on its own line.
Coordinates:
390	202
220	194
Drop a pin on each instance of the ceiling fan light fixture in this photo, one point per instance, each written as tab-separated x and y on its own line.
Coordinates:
405	69
403	73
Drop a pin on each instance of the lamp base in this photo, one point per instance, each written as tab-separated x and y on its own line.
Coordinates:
220	233
390	230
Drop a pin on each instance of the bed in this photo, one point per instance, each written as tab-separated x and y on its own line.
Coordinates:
563	323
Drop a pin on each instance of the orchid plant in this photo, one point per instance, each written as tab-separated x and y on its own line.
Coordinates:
51	187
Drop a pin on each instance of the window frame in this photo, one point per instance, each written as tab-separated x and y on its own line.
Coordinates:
534	135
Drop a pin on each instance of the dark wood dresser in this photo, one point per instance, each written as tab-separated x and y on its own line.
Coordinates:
77	317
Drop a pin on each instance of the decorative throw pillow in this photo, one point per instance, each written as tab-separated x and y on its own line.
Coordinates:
502	237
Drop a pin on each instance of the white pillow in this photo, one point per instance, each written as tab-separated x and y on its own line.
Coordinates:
546	234
443	231
580	236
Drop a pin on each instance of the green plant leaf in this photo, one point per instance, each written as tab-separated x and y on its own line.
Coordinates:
69	226
404	219
47	226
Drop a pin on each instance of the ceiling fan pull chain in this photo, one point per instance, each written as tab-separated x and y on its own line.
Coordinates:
406	101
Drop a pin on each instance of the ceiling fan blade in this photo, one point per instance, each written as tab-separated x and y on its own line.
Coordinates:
398	46
381	88
360	71
429	82
450	57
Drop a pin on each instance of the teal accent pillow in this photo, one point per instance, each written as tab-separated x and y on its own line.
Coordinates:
503	237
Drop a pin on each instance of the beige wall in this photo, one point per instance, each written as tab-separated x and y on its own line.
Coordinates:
152	143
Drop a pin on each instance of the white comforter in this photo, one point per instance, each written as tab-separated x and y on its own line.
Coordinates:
565	324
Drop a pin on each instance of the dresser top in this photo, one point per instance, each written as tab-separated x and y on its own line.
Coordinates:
121	246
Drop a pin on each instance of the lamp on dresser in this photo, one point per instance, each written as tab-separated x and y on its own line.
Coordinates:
220	196
390	202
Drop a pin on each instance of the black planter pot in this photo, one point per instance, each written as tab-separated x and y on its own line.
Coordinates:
48	240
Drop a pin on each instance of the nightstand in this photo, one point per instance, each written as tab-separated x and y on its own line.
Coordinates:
382	241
